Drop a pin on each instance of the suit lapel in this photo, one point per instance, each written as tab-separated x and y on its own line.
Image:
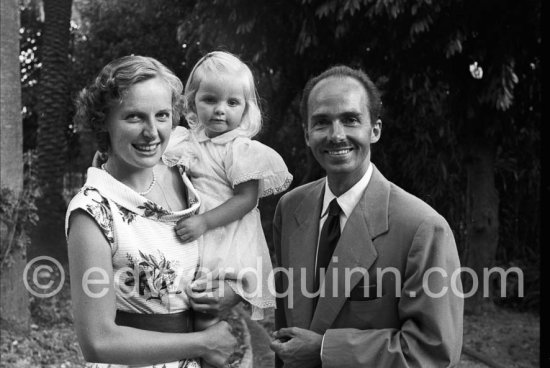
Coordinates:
376	202
302	252
355	249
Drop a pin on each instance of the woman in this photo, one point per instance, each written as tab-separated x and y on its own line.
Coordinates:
128	269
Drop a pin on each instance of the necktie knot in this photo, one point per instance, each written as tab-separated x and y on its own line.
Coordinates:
334	208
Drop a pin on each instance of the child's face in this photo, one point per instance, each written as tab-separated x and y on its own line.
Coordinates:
220	103
139	127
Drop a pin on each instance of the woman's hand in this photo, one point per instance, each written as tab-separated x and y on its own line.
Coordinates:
221	344
214	300
191	228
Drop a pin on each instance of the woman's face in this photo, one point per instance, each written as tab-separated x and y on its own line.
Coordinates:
139	127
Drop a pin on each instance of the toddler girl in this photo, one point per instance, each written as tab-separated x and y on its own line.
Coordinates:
230	171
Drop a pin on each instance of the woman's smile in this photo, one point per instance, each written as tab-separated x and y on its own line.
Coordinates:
140	126
147	147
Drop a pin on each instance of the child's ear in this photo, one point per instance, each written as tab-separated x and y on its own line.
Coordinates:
188	105
191	108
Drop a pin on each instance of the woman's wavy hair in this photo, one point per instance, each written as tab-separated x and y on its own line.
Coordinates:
223	63
109	87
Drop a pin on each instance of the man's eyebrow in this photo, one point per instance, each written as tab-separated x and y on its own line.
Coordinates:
344	114
353	112
319	115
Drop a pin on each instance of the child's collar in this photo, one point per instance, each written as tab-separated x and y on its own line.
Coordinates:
220	139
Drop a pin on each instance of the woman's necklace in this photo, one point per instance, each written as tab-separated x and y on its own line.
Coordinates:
153	182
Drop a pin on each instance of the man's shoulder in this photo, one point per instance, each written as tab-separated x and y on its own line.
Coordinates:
398	199
409	209
302	191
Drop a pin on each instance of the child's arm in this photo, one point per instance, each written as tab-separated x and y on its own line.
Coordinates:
245	197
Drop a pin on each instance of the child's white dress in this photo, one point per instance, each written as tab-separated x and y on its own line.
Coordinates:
237	251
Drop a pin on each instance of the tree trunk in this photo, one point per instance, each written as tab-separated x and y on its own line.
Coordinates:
482	226
53	124
14	304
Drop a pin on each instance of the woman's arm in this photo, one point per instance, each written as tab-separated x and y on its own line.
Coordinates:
244	200
101	340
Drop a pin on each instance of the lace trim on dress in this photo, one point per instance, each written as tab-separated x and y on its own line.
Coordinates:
268	191
259	305
279	189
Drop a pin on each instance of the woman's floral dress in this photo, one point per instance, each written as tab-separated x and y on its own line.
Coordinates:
151	265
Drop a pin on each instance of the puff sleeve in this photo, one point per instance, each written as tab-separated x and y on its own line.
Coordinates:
252	160
178	148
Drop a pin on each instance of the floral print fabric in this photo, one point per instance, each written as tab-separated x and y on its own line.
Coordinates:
151	266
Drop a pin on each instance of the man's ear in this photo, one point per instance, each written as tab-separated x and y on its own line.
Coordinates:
376	131
306	134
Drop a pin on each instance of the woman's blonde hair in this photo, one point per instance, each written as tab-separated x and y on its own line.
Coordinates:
221	62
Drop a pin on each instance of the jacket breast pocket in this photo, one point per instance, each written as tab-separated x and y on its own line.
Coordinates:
372	313
365	293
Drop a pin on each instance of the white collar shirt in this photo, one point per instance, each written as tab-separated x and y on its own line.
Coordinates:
347	203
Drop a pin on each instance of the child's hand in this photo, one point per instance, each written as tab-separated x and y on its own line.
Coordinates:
191	228
213	297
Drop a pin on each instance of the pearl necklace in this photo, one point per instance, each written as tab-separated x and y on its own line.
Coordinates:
148	190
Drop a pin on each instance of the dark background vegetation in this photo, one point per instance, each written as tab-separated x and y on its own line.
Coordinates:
470	147
418	52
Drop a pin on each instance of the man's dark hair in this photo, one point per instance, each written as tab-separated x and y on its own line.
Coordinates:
374	104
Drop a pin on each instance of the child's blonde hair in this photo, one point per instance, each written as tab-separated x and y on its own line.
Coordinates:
220	62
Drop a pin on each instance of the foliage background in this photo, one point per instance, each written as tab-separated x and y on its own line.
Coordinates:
437	115
417	52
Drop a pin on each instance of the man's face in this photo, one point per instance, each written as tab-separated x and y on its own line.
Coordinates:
339	130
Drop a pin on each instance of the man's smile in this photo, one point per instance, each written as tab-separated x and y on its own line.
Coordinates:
338	152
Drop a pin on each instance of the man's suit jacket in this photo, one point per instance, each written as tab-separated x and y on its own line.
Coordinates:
395	238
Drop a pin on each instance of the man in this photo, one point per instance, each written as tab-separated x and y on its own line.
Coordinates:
391	295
